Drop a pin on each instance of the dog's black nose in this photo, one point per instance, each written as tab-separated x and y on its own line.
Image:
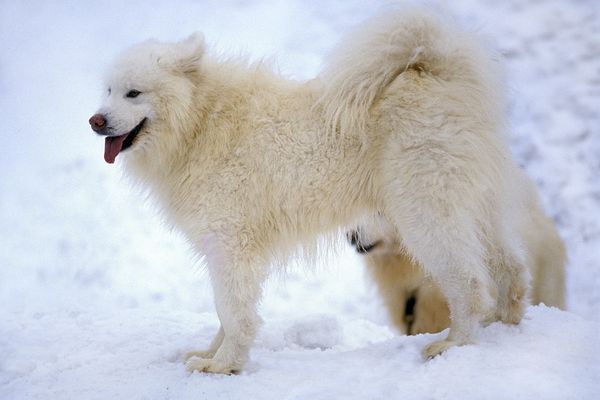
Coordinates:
98	122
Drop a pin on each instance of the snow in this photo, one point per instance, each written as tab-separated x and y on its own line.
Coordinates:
135	354
99	300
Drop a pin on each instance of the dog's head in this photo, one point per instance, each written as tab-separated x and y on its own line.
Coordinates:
374	235
145	87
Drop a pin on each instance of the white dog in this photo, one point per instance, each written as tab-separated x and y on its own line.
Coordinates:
406	119
416	305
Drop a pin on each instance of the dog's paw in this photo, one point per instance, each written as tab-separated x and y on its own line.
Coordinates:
207	354
514	311
438	347
209	365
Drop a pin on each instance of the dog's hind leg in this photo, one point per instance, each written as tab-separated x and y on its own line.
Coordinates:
445	239
508	266
457	266
467	288
513	288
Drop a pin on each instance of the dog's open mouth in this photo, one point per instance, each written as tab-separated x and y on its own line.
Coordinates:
113	145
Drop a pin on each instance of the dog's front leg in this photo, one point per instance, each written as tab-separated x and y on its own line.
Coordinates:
212	348
237	286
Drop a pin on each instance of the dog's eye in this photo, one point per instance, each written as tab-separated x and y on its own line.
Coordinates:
133	93
109	91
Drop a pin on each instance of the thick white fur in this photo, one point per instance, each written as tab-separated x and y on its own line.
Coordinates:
399	278
406	119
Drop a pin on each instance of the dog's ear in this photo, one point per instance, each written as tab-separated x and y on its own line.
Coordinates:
190	53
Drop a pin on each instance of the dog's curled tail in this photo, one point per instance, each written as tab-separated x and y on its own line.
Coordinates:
376	53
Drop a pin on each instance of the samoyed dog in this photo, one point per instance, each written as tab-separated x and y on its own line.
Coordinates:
406	120
414	302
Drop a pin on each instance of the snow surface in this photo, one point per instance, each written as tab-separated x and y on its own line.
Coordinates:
99	301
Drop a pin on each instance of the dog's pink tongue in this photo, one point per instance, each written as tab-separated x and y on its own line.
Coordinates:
112	147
